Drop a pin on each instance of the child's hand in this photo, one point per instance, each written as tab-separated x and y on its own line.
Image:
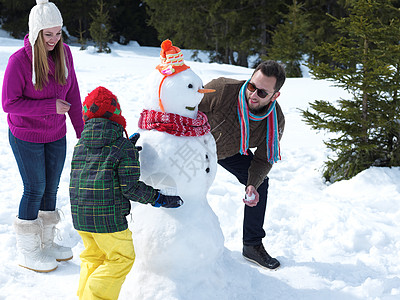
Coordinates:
168	201
133	138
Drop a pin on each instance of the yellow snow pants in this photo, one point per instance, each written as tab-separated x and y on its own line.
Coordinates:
105	262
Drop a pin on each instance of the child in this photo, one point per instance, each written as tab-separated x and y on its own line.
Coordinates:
104	177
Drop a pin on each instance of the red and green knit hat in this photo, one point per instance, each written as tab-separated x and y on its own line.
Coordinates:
101	103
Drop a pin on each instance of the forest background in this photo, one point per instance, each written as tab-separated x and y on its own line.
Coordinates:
231	31
354	43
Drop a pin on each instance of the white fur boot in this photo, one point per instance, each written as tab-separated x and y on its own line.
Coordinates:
29	246
49	220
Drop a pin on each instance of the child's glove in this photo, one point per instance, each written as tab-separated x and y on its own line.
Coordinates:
168	201
133	138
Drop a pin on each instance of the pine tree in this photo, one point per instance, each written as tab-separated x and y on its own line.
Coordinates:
128	22
365	62
100	28
231	30
81	39
290	40
14	17
76	17
321	29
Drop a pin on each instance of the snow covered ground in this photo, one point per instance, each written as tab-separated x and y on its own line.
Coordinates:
334	241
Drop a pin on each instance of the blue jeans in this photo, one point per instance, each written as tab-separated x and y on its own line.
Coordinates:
40	166
253	220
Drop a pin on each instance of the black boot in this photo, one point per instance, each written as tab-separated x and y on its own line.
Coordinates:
258	255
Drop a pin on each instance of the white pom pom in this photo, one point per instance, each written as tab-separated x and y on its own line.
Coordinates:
42	1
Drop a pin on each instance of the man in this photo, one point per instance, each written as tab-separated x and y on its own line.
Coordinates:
244	115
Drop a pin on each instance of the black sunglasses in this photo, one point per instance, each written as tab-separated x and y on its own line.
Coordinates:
260	93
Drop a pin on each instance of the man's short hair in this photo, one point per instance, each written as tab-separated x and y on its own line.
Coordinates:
272	68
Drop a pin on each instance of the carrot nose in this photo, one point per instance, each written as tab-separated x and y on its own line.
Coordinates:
204	91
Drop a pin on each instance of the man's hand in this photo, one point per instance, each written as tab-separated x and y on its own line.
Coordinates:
251	198
62	106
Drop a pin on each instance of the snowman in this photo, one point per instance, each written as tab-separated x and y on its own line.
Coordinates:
178	157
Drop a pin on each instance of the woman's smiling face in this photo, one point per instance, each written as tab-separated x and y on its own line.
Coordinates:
51	36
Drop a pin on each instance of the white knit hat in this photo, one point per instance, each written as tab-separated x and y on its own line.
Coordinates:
43	15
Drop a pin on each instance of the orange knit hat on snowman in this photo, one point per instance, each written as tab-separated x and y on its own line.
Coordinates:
171	63
171	59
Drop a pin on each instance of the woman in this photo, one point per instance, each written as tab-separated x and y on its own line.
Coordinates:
39	88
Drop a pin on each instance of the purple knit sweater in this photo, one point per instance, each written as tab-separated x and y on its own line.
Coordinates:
32	114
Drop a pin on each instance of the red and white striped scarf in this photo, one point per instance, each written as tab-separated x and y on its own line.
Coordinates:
174	124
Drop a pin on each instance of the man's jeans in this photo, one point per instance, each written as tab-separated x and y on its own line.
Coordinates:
40	166
253	221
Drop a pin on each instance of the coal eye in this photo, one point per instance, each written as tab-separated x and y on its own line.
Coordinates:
190	86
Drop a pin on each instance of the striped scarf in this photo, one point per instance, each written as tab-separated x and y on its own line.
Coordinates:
272	139
174	124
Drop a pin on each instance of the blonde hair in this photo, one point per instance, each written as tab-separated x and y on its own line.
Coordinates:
41	65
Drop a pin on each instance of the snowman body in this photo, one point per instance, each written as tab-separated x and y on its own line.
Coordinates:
189	237
184	242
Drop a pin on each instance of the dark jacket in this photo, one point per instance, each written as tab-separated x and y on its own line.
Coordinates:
221	109
104	177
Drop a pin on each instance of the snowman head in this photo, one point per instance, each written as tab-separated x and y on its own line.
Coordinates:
180	94
174	87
